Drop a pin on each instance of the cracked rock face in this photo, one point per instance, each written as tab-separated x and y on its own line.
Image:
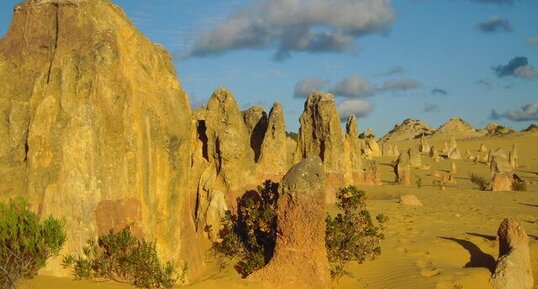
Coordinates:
93	117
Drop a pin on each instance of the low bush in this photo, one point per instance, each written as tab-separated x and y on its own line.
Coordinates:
481	182
124	258
25	242
519	185
250	235
352	235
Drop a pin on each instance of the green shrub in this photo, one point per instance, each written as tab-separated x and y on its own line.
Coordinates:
25	242
352	235
124	258
482	182
250	236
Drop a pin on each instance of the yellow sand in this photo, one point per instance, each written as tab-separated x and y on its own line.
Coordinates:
449	243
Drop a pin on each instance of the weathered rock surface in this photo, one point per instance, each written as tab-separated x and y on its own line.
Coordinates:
321	134
424	146
255	120
514	270
300	258
402	169
96	117
353	150
414	157
513	157
410	200
273	157
501	182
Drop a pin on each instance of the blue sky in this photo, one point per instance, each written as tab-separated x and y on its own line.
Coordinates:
384	60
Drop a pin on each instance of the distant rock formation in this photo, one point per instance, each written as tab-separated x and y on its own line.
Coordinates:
96	117
414	157
424	146
532	128
300	258
409	129
495	129
513	270
458	128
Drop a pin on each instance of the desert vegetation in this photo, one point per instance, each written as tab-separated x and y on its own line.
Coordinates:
122	257
249	238
352	235
26	243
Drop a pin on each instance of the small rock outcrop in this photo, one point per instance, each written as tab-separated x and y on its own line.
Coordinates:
300	258
513	270
424	146
415	158
402	169
410	200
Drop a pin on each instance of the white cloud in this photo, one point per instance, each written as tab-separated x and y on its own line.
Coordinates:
358	107
405	84
528	112
526	71
296	25
306	86
354	86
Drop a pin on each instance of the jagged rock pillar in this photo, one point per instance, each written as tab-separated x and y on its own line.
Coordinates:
513	270
300	258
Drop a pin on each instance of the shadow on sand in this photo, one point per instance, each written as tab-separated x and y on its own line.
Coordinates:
479	259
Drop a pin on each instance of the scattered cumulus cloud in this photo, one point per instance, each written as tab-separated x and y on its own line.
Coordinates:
430	107
354	87
528	112
497	2
517	67
439	91
495	24
532	41
306	86
401	85
527	72
358	107
293	25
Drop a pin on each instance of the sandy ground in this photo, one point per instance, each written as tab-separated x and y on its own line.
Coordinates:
449	243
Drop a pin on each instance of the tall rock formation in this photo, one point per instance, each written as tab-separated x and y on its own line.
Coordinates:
353	150
320	134
514	268
255	119
227	162
273	162
98	127
300	258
